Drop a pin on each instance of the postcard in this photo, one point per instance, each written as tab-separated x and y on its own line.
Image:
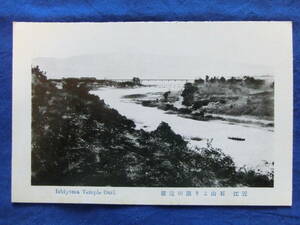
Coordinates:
153	113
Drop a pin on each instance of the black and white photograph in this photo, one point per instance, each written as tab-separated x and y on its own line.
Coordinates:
156	105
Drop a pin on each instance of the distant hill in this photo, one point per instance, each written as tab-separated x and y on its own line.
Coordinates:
124	65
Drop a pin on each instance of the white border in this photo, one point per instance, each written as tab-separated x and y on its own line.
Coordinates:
22	191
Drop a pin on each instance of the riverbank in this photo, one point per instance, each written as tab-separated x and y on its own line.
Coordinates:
258	144
248	101
79	140
176	107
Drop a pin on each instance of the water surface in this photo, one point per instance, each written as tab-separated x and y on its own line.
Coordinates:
257	147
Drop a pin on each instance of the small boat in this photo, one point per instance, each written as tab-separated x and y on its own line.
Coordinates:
237	138
196	139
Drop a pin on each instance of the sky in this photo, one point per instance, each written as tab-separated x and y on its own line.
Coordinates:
158	50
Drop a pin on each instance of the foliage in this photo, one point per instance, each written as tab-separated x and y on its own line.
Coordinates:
233	96
166	95
136	81
188	94
77	140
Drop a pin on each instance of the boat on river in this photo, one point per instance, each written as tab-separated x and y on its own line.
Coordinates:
236	138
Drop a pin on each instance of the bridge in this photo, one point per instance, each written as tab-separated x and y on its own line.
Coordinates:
146	79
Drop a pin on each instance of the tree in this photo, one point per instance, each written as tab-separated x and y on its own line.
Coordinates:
222	80
199	81
166	95
213	79
188	94
206	78
136	81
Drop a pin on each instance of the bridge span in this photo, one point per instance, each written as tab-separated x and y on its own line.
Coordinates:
167	79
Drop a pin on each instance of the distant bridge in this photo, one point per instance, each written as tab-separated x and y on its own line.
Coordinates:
125	79
169	79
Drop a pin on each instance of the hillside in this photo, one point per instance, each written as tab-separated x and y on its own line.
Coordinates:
77	140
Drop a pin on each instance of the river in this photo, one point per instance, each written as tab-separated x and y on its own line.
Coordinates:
257	147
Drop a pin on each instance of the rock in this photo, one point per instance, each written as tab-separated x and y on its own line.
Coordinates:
184	111
148	103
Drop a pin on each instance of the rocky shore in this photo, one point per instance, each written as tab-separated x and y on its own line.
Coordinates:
246	100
